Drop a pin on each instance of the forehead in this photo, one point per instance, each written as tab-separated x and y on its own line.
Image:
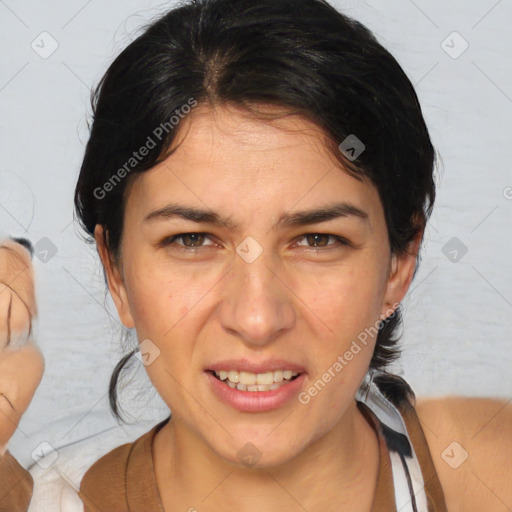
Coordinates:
210	133
228	159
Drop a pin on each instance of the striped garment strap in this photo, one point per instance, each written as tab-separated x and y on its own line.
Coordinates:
408	480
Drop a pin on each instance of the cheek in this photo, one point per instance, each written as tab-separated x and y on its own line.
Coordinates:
150	305
343	299
161	300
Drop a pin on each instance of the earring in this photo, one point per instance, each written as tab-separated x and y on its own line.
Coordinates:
371	373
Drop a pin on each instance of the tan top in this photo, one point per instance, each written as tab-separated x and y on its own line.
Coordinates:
384	499
124	479
16	485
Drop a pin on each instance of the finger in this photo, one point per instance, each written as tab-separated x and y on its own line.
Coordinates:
21	372
17	272
15	321
25	243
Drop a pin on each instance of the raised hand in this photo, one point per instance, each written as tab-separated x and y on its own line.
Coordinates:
21	362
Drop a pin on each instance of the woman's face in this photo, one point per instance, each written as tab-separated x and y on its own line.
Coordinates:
263	281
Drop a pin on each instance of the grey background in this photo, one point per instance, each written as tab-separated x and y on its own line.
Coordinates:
456	335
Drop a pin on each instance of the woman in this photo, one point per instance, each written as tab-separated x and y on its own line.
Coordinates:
257	181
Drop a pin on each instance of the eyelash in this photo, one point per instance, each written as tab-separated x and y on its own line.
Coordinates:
182	248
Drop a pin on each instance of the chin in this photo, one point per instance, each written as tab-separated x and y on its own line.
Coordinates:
259	451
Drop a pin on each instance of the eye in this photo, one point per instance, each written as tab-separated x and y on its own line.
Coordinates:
190	241
193	241
320	240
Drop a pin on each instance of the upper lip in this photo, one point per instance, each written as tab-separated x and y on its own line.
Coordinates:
246	365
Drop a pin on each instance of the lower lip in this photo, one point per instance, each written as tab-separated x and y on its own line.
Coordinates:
255	401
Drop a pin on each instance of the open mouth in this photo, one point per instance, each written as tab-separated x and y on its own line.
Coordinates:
251	382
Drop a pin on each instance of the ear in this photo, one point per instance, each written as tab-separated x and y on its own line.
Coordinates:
400	276
114	278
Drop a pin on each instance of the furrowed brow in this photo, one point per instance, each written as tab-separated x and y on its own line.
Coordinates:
189	213
323	214
289	219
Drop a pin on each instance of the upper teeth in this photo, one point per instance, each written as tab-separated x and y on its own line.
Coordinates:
248	378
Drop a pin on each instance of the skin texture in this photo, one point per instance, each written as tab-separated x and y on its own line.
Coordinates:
295	301
21	362
290	302
482	427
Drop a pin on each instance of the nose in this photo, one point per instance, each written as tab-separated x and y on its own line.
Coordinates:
257	305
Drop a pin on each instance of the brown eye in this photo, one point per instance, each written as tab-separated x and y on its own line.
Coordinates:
318	240
321	240
190	240
194	239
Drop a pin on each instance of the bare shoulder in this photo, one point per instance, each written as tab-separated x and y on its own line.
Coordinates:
470	441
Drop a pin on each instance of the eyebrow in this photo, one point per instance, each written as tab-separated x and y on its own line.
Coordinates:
288	219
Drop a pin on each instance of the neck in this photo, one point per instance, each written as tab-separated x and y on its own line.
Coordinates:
335	472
